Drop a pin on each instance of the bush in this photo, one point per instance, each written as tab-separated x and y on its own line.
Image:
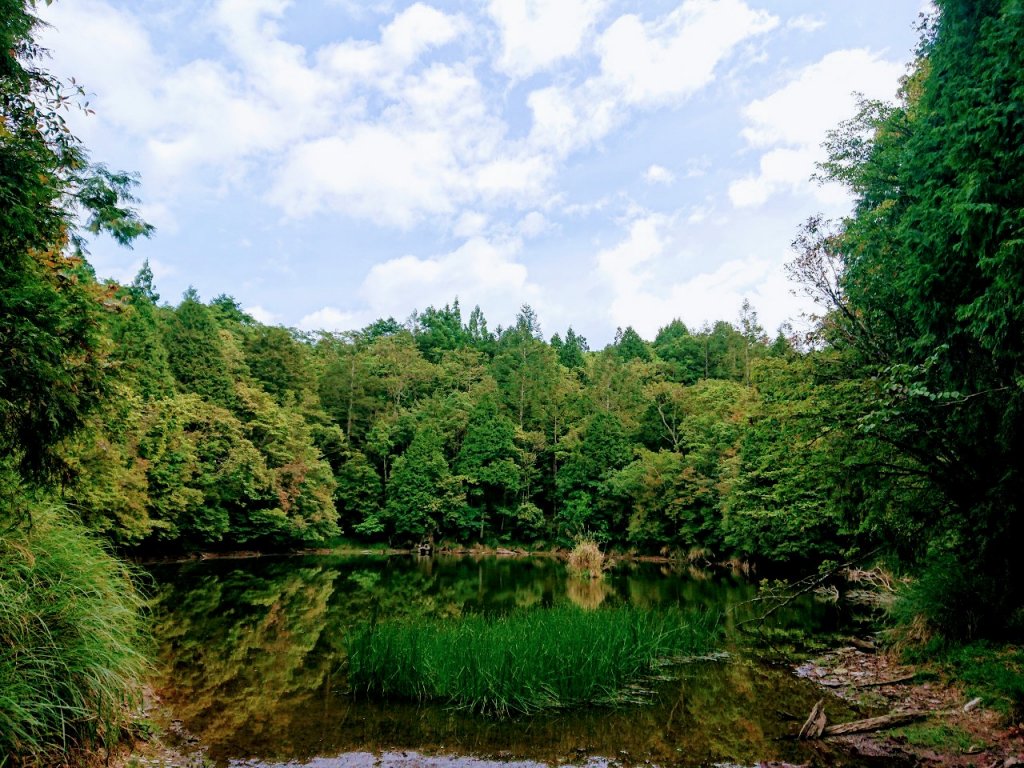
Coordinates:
955	600
71	634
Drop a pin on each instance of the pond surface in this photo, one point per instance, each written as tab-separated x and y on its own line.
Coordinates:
252	661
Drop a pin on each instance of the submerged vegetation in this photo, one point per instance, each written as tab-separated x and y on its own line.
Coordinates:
526	661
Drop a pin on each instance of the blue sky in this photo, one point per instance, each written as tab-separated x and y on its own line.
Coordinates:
328	162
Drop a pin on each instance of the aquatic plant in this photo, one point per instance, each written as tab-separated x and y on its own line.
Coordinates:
586	559
526	661
71	631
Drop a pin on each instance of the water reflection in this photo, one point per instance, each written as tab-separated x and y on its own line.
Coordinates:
252	661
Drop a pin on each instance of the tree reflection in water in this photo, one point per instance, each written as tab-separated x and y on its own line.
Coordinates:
252	661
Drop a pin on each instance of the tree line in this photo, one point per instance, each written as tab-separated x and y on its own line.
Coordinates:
226	432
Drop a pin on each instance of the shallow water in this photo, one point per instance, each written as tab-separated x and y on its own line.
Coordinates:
252	663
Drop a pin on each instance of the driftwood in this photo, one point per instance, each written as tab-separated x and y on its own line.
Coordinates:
816	722
879	723
816	726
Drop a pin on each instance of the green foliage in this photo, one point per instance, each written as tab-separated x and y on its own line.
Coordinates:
487	459
138	343
629	346
422	488
71	626
196	351
682	353
51	356
525	369
278	361
440	330
995	672
958	601
587	506
572	351
525	661
930	288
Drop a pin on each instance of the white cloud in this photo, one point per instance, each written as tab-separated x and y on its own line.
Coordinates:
537	34
262	315
566	118
657	174
331	319
623	265
409	35
533	224
267	102
378	173
635	269
676	56
805	23
479	271
470	223
377	129
791	123
121	79
643	65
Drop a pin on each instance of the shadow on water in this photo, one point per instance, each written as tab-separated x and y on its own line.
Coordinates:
252	662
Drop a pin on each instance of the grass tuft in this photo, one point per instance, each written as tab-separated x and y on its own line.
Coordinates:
525	661
71	630
586	559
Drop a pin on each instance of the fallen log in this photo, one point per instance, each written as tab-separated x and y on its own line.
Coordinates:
880	723
817	726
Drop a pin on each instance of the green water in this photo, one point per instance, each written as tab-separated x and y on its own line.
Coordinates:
251	661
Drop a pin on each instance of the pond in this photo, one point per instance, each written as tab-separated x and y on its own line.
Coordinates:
252	662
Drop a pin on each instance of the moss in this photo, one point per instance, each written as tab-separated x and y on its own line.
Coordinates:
941	738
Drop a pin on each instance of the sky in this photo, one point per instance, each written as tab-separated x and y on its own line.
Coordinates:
612	164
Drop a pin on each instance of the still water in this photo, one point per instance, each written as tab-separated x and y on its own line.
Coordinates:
252	662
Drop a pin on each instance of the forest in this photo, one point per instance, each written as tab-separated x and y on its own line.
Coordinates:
891	431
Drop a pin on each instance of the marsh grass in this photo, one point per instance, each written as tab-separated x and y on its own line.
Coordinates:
526	661
71	634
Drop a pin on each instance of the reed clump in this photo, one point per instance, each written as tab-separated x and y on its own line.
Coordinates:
71	640
526	661
586	559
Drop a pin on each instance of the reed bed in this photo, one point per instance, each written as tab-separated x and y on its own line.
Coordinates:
71	634
526	661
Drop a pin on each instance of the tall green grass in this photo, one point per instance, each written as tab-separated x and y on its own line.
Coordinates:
71	630
525	661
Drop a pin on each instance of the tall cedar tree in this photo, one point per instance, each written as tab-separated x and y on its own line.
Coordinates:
931	294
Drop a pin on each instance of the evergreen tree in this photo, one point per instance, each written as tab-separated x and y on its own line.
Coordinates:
195	351
487	461
930	294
